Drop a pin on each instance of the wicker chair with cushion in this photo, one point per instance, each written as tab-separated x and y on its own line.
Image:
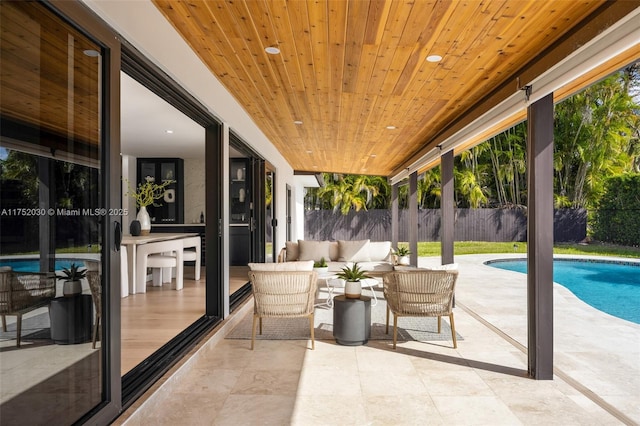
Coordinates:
22	292
420	293
283	294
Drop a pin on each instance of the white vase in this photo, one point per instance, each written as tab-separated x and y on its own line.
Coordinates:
71	288
352	289
145	220
404	260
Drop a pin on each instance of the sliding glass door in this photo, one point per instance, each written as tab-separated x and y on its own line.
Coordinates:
57	224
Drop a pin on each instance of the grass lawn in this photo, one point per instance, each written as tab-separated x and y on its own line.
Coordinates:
479	247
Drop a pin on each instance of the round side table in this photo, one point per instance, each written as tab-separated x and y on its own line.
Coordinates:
351	320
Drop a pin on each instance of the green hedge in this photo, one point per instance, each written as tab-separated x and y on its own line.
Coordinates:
617	219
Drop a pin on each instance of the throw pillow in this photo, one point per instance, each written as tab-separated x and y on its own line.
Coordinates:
313	250
380	251
292	251
354	251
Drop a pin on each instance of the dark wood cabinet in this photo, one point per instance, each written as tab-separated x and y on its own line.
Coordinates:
170	208
240	191
240	214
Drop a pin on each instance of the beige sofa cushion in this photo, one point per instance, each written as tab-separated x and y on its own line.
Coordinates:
292	251
334	251
354	251
283	266
313	250
380	251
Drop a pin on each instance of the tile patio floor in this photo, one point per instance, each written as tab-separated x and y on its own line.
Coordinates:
482	382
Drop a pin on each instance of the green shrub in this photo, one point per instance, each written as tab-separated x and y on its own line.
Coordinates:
617	219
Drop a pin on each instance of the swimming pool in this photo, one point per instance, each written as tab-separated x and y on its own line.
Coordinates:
31	265
610	286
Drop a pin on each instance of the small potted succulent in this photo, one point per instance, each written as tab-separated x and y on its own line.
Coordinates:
321	266
402	254
352	276
71	276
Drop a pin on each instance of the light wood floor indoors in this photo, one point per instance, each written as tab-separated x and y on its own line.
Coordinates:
151	319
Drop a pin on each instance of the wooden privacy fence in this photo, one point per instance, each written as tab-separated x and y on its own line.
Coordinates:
570	225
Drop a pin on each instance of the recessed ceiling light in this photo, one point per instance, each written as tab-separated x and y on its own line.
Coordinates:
391	127
298	122
272	50
434	58
309	151
373	156
91	52
169	131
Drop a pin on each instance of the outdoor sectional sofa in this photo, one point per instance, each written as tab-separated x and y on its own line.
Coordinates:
375	257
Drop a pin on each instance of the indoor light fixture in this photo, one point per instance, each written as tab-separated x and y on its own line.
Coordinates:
298	122
391	127
434	58
169	131
91	52
272	50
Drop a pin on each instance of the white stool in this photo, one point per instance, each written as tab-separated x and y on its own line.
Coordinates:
153	255
158	262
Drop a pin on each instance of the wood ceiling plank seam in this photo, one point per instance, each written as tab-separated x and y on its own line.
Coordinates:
262	20
249	46
298	17
368	61
279	14
354	39
318	21
391	36
338	19
214	19
410	101
436	17
376	20
205	37
397	12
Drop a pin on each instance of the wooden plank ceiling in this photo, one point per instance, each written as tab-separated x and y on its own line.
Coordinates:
349	69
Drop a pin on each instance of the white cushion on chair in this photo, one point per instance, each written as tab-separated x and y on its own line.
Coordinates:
161	261
190	255
301	265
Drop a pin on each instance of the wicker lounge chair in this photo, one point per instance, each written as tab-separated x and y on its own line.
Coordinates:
283	294
420	293
22	292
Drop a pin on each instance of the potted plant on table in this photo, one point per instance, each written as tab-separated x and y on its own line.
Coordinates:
146	194
402	254
321	266
352	276
71	276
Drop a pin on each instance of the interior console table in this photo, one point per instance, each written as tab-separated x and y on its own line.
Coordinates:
351	320
71	319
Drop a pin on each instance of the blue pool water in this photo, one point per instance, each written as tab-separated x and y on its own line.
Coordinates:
30	265
612	287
